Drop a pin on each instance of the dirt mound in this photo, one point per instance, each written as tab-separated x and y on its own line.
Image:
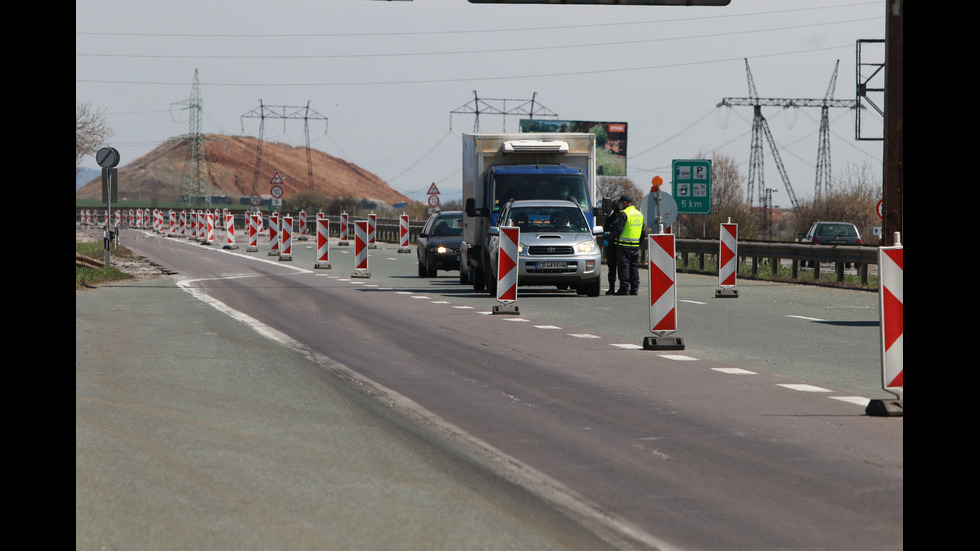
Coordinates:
231	171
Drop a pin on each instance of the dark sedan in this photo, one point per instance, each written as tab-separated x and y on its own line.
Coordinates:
439	242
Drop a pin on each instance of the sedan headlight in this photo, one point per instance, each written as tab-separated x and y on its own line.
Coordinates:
442	249
586	247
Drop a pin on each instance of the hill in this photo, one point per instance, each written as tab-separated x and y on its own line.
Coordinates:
231	170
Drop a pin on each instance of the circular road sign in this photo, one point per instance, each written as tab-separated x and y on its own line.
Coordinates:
255	200
277	191
668	210
107	157
433	200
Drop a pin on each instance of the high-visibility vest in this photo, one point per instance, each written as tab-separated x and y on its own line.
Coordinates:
633	230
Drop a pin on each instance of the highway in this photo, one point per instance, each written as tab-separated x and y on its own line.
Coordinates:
752	437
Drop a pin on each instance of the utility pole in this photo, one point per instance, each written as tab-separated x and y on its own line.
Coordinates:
893	171
285	113
760	130
490	106
194	181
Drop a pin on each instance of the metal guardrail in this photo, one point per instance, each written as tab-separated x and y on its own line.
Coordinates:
861	256
388	230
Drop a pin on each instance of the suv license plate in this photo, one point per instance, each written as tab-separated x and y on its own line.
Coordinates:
551	265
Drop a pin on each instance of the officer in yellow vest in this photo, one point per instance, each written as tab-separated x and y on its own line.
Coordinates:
627	230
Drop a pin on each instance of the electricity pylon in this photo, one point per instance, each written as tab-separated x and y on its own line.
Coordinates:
283	112
195	184
529	108
760	129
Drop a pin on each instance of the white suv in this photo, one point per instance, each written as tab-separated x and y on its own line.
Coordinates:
557	246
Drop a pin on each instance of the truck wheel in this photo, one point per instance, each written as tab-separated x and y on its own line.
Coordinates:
491	284
478	280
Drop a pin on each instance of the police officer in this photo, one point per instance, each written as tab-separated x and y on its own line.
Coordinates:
627	229
612	262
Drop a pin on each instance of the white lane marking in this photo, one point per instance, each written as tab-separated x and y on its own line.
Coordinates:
628	346
734	370
692	301
679	357
805	318
859	400
804	387
547	327
584	336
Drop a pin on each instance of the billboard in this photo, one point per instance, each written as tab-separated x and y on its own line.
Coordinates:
610	140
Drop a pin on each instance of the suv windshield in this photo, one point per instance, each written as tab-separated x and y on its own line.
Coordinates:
547	219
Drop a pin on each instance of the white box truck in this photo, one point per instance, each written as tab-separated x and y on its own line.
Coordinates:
498	168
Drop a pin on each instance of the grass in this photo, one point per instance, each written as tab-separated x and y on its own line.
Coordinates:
88	277
784	273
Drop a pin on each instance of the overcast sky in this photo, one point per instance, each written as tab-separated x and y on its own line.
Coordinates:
387	77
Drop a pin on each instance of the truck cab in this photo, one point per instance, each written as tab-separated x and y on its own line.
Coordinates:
499	168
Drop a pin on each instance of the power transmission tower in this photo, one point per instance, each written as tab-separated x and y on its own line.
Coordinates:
283	112
760	129
195	184
528	108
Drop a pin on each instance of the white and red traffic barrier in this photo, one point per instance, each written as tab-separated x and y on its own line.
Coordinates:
229	230
360	249
403	234
254	220
727	260
274	234
372	230
344	231
663	293
173	222
891	297
202	228
302	226
507	267
286	238
322	241
209	236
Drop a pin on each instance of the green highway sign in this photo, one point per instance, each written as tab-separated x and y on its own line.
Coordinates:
692	185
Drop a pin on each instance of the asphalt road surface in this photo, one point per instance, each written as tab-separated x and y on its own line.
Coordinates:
261	403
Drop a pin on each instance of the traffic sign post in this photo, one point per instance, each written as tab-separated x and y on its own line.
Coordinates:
692	185
433	194
108	159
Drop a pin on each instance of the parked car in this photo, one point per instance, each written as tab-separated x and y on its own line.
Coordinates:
832	233
439	241
556	247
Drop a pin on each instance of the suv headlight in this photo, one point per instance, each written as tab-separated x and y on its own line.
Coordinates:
586	247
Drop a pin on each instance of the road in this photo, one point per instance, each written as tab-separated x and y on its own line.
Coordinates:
753	437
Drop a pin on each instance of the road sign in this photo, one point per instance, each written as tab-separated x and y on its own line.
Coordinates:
433	190
433	200
692	185
276	185
255	200
658	203
108	157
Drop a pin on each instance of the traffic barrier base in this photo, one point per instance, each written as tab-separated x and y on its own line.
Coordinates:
663	343
884	408
507	309
726	293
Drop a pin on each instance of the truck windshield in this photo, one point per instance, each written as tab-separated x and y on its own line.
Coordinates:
539	186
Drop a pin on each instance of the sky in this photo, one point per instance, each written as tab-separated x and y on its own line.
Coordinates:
391	85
